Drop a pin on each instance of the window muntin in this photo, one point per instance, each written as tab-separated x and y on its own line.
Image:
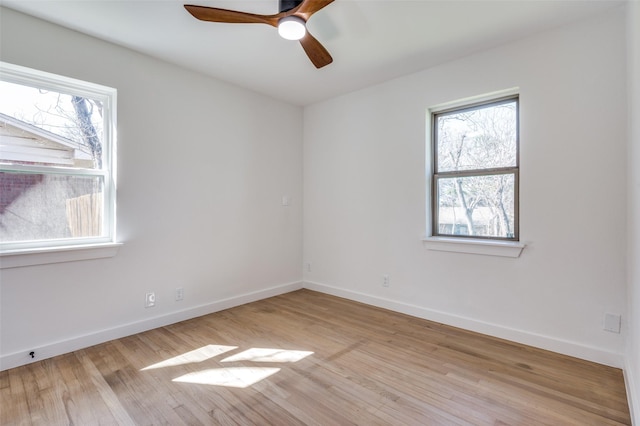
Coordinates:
57	168
475	170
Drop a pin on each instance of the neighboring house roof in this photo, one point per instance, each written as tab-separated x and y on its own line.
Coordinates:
23	142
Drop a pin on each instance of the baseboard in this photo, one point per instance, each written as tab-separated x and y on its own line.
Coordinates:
564	347
17	359
633	396
577	350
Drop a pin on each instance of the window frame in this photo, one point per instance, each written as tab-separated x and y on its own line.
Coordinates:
465	106
108	96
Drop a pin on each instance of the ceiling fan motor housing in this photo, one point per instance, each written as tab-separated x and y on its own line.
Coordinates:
288	4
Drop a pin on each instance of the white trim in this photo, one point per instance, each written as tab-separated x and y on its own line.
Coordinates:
60	254
51	170
46	80
52	349
565	347
473	100
475	246
633	397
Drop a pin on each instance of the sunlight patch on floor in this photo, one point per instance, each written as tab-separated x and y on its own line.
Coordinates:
235	377
268	355
197	355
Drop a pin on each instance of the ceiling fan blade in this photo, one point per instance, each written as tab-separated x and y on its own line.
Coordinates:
315	51
213	14
309	7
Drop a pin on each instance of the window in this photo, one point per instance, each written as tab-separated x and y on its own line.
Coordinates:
475	170
57	162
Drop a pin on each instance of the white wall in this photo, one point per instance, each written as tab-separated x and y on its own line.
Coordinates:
632	368
364	194
202	168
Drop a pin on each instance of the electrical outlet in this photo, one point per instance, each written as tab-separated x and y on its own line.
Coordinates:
612	322
386	280
179	294
150	300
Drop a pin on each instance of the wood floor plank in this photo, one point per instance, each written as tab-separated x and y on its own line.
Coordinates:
117	413
307	358
14	403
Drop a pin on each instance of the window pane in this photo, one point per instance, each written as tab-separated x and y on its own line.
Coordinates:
41	126
41	206
481	206
479	138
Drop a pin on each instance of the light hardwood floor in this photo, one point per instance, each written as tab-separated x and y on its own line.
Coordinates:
310	358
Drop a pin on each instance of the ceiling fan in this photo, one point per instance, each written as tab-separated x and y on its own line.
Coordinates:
290	21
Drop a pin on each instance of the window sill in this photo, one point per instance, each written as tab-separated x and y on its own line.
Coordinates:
44	256
470	246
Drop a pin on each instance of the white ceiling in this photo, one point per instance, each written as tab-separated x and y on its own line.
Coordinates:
370	40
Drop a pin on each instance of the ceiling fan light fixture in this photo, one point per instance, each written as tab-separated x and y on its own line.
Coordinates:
291	23
292	28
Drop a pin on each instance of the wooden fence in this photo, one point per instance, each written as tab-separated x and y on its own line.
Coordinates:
84	215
